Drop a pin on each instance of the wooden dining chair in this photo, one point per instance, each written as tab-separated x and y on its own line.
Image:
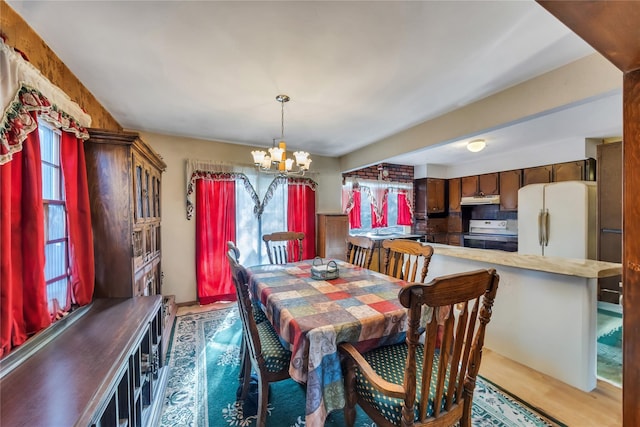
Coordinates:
284	246
263	350
402	258
414	384
360	251
258	314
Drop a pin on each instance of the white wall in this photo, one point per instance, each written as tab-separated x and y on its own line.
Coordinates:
178	233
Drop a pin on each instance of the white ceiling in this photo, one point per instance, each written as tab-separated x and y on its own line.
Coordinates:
356	71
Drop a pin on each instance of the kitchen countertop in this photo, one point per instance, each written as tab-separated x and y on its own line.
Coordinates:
385	236
567	266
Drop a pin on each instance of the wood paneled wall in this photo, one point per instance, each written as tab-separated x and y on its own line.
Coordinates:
18	34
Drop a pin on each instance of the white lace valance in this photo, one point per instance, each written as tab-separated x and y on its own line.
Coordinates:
24	89
203	169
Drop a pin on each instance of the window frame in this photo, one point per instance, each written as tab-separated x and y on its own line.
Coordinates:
56	137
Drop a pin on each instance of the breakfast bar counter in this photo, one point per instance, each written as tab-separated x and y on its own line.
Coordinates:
545	312
586	268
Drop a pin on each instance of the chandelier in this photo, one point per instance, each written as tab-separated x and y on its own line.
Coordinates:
276	162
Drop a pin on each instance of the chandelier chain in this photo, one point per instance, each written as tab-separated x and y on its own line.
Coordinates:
282	120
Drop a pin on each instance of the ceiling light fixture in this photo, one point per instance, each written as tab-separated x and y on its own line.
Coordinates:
476	145
276	162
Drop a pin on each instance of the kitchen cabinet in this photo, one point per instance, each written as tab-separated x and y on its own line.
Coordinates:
124	178
537	175
480	185
510	183
436	230
581	170
488	184
429	197
454	228
454	195
609	171
333	230
469	186
454	239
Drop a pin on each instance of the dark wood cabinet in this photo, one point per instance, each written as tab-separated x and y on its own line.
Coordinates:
480	185
580	170
510	183
454	195
469	186
537	175
435	196
333	230
609	171
124	177
454	223
420	198
454	239
488	184
102	368
429	197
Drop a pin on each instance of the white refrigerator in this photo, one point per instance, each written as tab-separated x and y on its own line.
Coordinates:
558	219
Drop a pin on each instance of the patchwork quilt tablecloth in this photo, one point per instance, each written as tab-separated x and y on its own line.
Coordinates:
314	316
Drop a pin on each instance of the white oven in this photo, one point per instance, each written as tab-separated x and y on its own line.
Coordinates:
492	234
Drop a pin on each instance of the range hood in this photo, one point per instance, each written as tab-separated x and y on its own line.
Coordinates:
480	200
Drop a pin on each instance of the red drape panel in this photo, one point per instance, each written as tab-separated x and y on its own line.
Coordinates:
22	284
301	216
215	225
79	215
355	217
404	212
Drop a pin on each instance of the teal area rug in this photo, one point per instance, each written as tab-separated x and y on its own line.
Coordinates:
204	362
609	346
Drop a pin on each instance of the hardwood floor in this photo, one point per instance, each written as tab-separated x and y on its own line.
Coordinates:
602	407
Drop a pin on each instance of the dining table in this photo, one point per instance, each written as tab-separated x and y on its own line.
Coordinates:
312	317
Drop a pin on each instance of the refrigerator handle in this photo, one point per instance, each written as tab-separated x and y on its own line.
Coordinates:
545	226
540	228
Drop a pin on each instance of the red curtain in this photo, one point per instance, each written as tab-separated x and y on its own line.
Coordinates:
355	220
404	210
22	284
215	225
79	216
301	215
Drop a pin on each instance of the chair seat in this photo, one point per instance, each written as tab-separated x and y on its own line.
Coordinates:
389	362
258	314
276	357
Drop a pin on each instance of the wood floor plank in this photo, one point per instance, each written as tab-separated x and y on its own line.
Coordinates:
602	407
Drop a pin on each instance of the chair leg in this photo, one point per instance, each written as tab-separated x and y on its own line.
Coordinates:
350	392
241	373
263	401
246	376
465	420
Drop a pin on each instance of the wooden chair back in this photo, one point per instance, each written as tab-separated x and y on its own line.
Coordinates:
402	258
234	251
360	251
441	393
284	246
249	326
462	303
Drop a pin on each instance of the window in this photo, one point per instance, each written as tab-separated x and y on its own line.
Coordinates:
55	221
371	189
249	229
